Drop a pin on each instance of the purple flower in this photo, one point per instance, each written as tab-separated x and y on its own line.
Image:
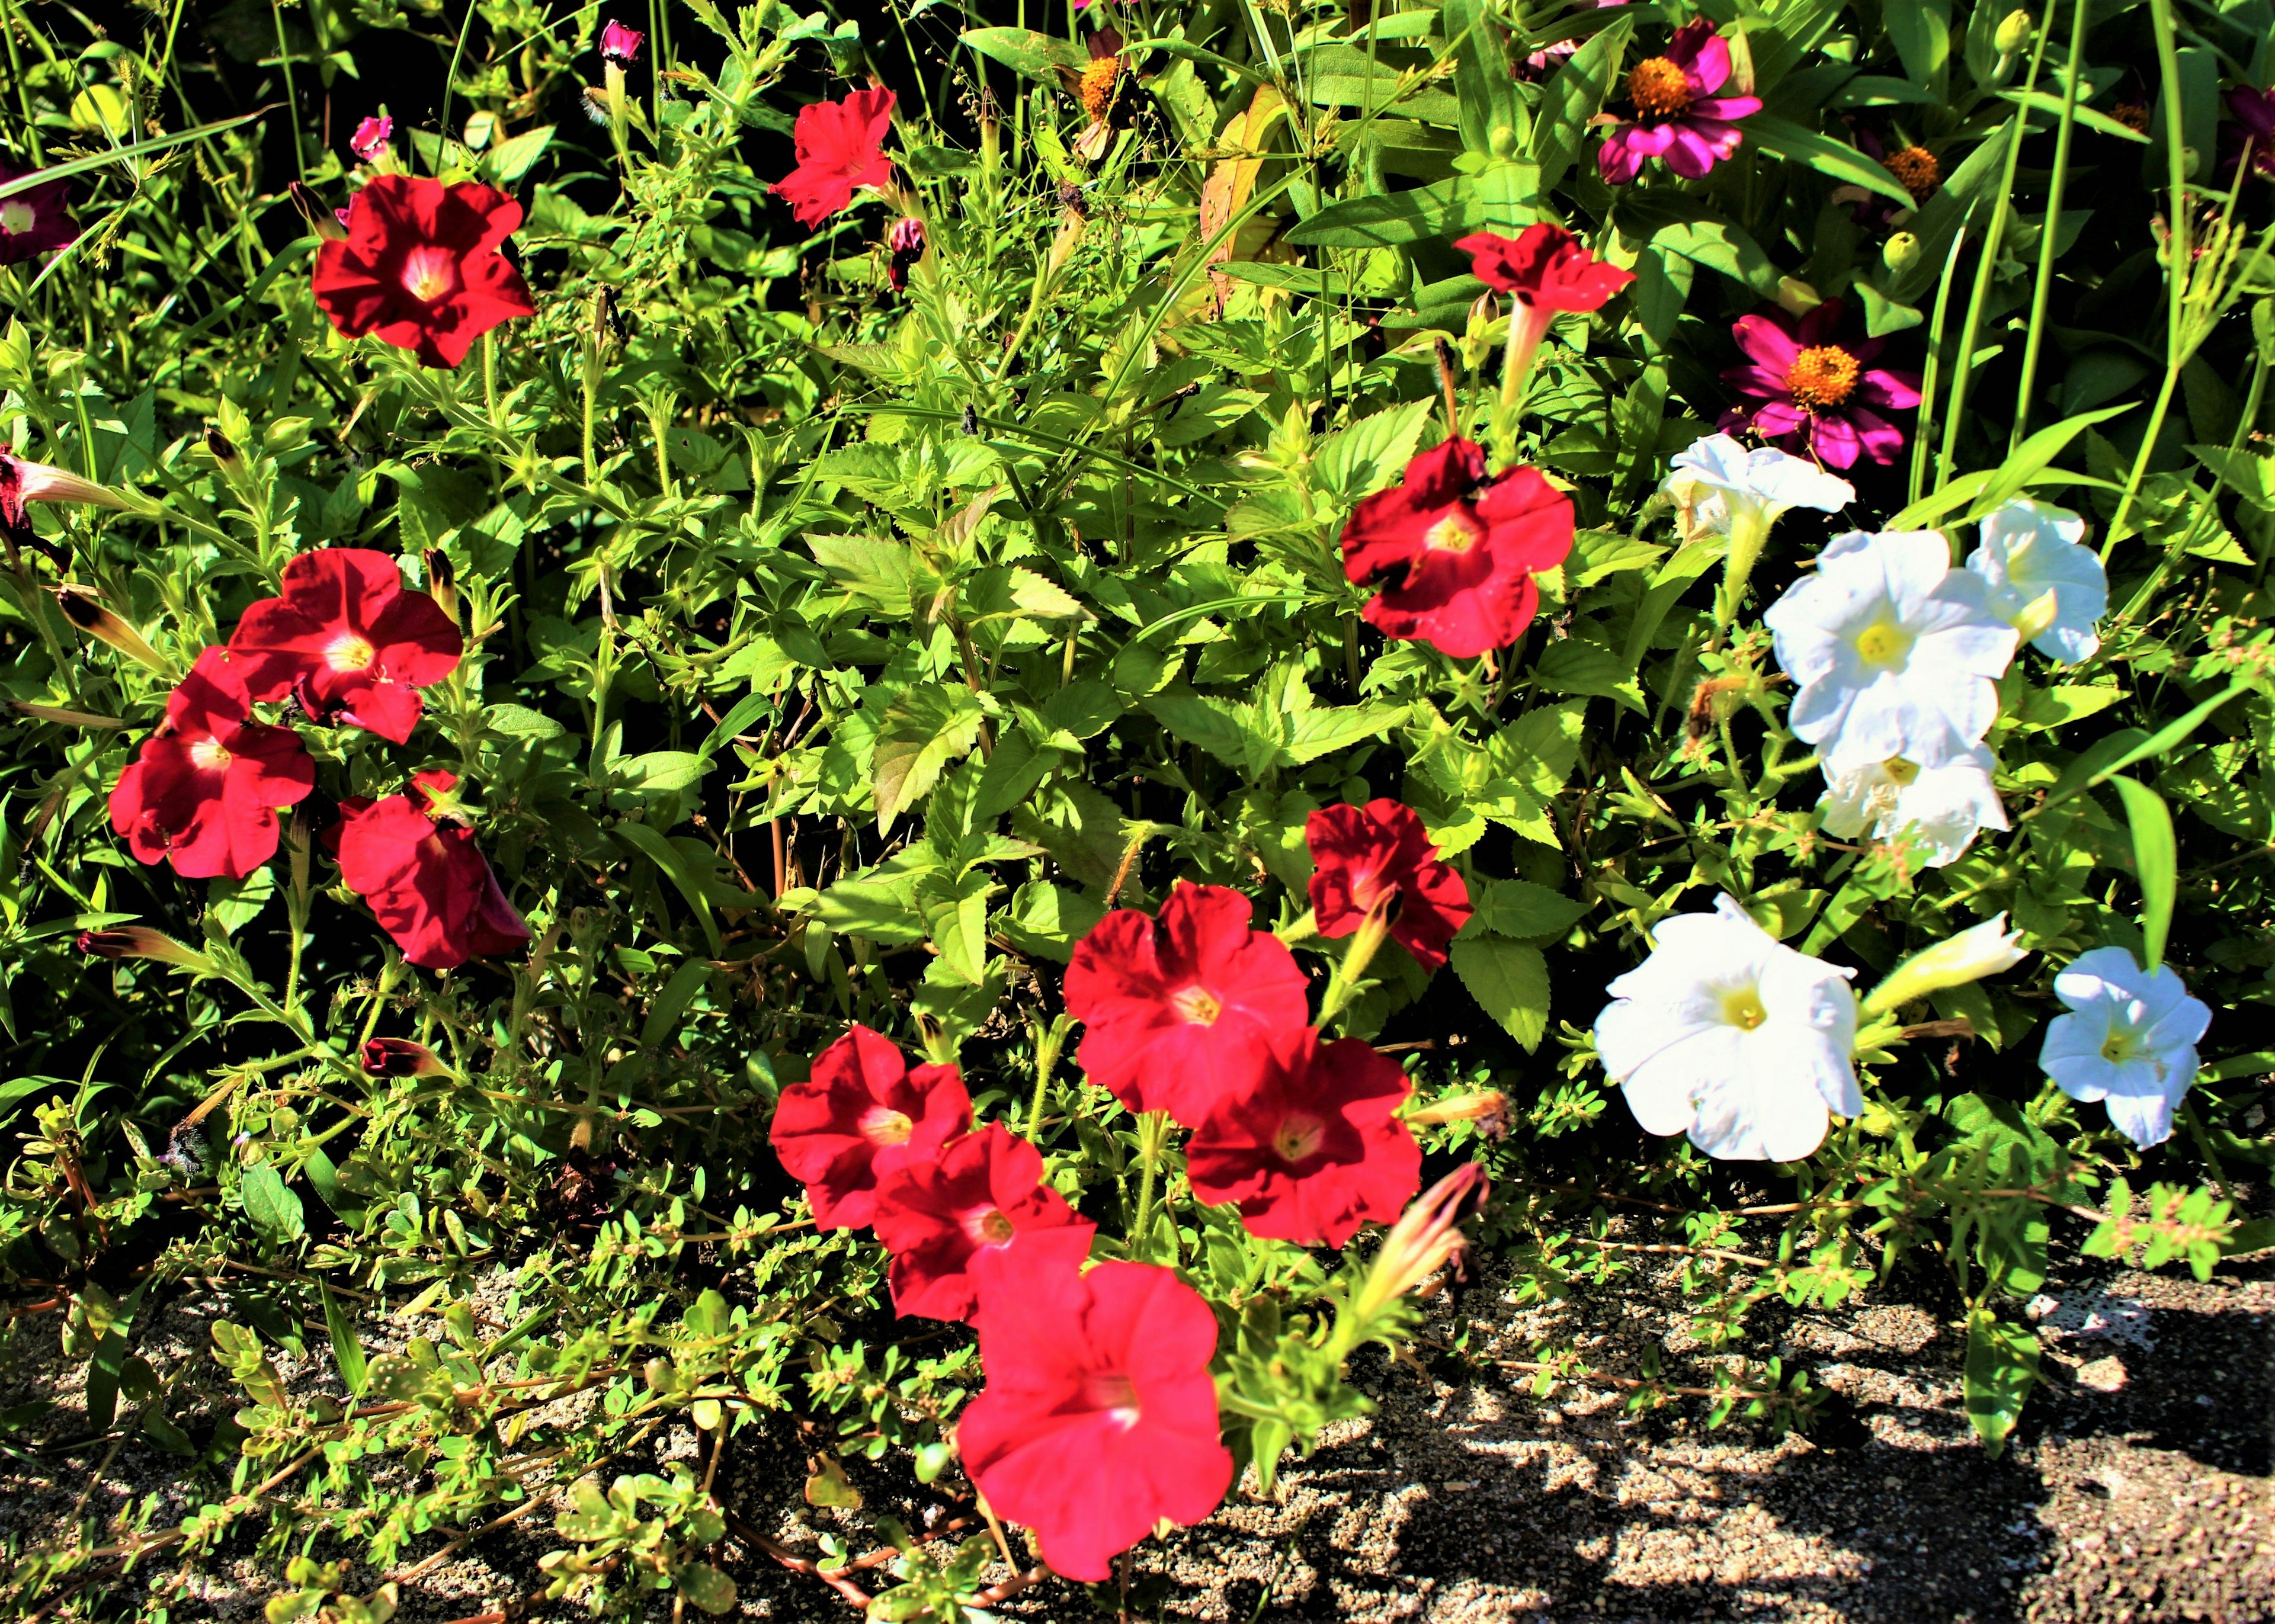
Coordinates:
2252	134
1678	117
371	137
34	221
1808	385
906	243
620	44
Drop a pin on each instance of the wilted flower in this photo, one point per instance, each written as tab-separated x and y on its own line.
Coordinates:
349	640
1814	389
23	481
34	220
138	942
1726	1034
1893	652
864	1114
87	612
1376	866
399	1057
2129	1041
1177	1010
2251	138
1454	553
906	242
1426	1237
2044	581
1980	950
621	45
841	148
1677	116
1939	807
1314	1148
428	883
420	268
1488	1109
205	789
982	1192
371	136
1098	85
1100	1416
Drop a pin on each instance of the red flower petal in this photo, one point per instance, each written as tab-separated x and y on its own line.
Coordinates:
1178	1008
863	1115
1548	267
983	1192
1379	856
349	639
1314	1149
840	149
420	268
429	885
1100	1415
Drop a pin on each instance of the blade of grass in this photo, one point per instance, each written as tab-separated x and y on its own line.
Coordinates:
2042	294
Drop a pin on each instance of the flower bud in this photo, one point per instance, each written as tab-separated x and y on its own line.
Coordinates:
1424	1240
1502	141
1900	251
442	581
138	942
329	224
2013	34
219	447
22	480
371	137
620	44
1489	1110
399	1057
87	614
1985	949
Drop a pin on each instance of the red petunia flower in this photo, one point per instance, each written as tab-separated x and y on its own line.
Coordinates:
399	1057
1314	1149
864	1115
1100	1415
983	1192
205	790
420	268
1548	270
841	148
348	641
1177	1009
1377	861
1457	562
426	881
1811	388
34	220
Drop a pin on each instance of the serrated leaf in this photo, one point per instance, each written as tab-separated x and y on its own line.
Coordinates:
1510	980
922	731
1518	909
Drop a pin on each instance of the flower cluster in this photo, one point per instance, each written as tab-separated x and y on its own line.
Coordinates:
344	643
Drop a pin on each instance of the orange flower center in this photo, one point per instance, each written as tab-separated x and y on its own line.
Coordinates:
1299	1138
1115	1394
1099	80
1823	375
987	1227
352	652
883	1125
1457	532
1916	169
1659	88
16	216
1197	1005
429	274
211	755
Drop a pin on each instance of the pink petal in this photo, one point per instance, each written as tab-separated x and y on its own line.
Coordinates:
1778	418
1709	69
1759	381
1833	440
1617	159
1882	439
1896	390
1767	340
1690	154
1719	109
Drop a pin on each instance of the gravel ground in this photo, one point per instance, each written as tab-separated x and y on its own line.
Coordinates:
2138	1487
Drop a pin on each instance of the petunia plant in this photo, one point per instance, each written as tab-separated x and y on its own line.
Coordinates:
808	813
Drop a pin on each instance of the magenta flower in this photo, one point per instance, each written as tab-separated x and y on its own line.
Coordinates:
620	44
1678	117
371	137
33	220
2252	135
1809	386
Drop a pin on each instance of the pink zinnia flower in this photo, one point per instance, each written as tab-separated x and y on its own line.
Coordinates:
1809	386
2252	135
369	140
1678	117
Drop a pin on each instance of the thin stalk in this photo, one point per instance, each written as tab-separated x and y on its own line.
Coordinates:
1916	486
2042	295
1152	1132
291	101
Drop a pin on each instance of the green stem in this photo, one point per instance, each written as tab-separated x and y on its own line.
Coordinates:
1152	1134
2042	295
1921	427
1748	532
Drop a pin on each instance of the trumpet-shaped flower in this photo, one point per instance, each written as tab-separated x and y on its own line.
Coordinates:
2044	581
982	1192
2129	1041
1100	1416
1723	488
841	148
1939	807
428	883
349	640
1376	862
864	1114
1985	949
420	268
1729	1035
1894	653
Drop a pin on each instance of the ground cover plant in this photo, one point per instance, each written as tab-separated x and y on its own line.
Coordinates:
965	735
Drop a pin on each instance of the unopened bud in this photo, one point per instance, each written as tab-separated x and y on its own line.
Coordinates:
619	44
138	942
442	581
1985	949
221	449
1900	251
1489	1110
399	1057
1425	1239
325	223
1484	310
1502	141
88	614
2013	34
1796	297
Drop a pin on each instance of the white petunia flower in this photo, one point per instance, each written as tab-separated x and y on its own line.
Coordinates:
1729	1035
2027	550
1894	652
1941	807
2129	1041
1721	485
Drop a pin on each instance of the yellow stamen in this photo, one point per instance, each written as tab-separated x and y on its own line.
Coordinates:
1823	376
1659	88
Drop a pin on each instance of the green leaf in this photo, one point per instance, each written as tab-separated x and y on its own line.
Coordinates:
1783	137
347	1352
706	1586
1519	909
2121	749
1720	246
651	844
1572	96
1482	81
2002	1367
2038	101
508	160
663	1016
875	572
1023	50
1213	724
520	722
1391	220
235	904
660	770
1312	734
922	731
1370	454
1510	980
2156	862
269	1205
